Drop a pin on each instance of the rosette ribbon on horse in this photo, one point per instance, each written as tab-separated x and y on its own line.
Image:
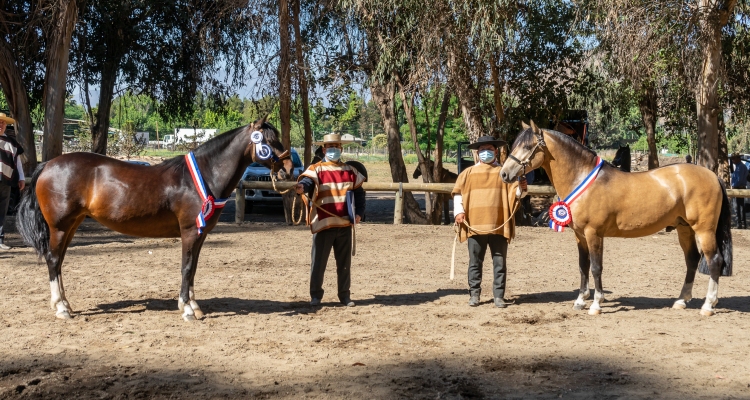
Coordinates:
611	203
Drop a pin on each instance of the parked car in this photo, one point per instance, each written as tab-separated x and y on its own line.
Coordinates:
258	172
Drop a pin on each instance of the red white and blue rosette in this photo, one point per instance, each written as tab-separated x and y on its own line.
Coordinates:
559	216
559	213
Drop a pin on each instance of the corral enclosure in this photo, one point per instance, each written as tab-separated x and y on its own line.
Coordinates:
412	334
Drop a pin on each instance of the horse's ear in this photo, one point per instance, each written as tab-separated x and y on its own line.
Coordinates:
258	124
524	126
533	126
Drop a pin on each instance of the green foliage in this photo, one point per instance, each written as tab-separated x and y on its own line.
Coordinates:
379	141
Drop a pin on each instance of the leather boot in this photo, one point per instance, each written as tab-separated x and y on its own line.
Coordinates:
474	299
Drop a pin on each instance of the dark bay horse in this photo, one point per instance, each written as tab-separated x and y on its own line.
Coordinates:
687	197
445	177
148	201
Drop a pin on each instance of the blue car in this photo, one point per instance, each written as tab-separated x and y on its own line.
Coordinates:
258	172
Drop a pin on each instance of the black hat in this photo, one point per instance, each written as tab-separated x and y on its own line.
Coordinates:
487	140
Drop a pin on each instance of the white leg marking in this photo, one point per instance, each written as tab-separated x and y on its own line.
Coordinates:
196	309
712	297
685	296
56	300
187	314
595	308
581	300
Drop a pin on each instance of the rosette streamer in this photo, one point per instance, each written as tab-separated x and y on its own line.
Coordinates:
560	215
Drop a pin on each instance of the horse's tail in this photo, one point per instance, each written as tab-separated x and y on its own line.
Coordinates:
30	222
723	236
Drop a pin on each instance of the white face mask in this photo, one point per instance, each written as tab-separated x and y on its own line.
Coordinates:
486	156
333	154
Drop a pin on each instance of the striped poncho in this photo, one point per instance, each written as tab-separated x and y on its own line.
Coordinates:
332	181
487	200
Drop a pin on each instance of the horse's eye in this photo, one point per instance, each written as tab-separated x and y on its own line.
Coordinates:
527	147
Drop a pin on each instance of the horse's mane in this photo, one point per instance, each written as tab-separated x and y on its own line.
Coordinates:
527	138
219	142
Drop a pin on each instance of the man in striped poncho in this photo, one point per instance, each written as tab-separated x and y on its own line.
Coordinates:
483	205
330	216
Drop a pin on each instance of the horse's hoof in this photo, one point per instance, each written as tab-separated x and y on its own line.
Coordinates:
595	311
63	315
707	313
188	318
679	305
198	313
578	307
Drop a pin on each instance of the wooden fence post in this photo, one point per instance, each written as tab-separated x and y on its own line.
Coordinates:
239	204
398	209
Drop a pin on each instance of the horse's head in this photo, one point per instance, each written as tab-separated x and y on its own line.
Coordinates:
418	172
265	148
527	153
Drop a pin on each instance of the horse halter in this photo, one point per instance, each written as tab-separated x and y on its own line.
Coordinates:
539	144
263	151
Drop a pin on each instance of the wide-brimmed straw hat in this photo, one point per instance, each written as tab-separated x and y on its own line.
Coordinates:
333	138
735	155
487	140
8	120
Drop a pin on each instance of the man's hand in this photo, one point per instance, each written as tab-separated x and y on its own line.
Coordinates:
21	185
523	184
300	188
357	218
460	218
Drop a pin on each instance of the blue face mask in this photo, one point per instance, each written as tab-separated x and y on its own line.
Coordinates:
333	154
486	156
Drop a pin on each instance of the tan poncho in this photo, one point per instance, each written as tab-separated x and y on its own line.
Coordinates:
487	200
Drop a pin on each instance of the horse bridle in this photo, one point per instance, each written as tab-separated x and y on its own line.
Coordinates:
274	158
539	144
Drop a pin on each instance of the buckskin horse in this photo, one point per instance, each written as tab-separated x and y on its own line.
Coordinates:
171	199
687	197
445	177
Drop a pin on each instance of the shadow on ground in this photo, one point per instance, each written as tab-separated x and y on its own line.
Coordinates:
544	377
224	306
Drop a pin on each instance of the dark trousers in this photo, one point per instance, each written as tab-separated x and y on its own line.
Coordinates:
499	250
4	201
740	205
340	240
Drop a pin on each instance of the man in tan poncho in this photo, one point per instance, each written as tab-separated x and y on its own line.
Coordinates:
483	207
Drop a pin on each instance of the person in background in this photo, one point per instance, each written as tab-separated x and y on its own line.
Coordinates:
10	168
739	181
483	206
326	185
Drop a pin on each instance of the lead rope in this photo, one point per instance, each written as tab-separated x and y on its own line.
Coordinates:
294	202
457	229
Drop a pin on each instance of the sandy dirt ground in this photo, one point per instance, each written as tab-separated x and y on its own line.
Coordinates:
411	335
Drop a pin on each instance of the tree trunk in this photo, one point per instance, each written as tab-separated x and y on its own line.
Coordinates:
440	135
647	106
468	96
384	97
497	93
302	82
723	170
18	103
100	126
284	75
432	211
713	16
55	80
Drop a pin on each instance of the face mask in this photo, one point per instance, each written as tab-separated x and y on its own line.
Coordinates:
333	154
486	156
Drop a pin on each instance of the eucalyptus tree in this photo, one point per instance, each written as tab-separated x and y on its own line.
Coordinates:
35	45
22	67
167	50
653	43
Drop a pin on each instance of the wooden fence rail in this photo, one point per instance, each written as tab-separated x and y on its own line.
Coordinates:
398	189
